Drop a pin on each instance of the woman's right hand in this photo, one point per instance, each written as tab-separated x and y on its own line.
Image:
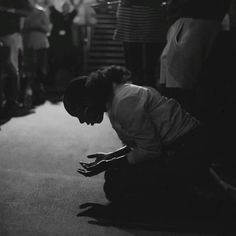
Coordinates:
101	164
99	157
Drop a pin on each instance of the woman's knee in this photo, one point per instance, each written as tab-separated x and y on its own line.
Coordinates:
112	192
115	186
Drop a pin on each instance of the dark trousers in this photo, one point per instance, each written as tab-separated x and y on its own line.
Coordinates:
35	64
35	69
142	59
216	96
9	86
185	162
187	98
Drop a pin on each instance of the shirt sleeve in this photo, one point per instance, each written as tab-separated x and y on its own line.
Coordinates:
137	125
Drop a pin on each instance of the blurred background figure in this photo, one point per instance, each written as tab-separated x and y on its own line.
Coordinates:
63	56
196	66
11	14
232	16
4	54
191	36
142	27
35	40
85	20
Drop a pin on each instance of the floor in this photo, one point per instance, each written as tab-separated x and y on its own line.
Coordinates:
41	194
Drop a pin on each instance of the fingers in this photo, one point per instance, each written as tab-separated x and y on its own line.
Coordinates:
92	156
92	170
90	166
86	173
89	173
87	165
96	155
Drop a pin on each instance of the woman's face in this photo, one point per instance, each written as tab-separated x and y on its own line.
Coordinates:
89	115
65	8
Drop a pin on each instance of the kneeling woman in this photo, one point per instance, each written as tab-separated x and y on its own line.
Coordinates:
163	144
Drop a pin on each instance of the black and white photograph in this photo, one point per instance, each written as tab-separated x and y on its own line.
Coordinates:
76	159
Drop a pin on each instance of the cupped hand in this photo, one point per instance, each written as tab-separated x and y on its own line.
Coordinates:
98	158
93	169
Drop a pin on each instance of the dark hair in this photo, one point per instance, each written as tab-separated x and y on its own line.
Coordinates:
100	82
76	94
96	88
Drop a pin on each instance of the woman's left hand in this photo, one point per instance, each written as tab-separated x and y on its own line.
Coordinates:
94	168
99	157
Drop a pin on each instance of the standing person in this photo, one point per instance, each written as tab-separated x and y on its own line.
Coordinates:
232	17
4	54
35	40
163	144
193	68
221	75
11	13
62	49
195	25
142	27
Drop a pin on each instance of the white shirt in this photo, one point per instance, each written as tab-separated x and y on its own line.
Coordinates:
146	121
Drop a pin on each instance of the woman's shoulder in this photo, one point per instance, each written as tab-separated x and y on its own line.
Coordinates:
127	91
129	97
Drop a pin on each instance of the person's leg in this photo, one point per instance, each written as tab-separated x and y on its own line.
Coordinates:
183	59
42	65
186	98
29	68
152	69
186	163
40	75
130	184
4	51
135	183
1	92
190	156
218	103
12	107
12	69
133	61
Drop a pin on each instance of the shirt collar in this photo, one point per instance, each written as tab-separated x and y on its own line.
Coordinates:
116	91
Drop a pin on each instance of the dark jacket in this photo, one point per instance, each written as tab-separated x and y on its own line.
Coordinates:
199	9
150	3
9	21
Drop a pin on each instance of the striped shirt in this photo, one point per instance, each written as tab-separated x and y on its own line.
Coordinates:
141	24
232	14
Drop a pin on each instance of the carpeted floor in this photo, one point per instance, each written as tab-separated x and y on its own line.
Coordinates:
41	194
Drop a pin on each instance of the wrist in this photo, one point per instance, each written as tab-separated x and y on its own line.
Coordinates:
120	161
110	155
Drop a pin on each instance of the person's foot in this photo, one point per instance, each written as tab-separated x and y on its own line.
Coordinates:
16	110
3	117
225	174
3	120
39	100
28	98
39	96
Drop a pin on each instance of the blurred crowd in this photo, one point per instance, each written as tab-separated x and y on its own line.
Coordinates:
41	47
185	49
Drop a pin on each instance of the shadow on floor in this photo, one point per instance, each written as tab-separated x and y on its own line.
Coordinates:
55	97
210	216
22	113
4	120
